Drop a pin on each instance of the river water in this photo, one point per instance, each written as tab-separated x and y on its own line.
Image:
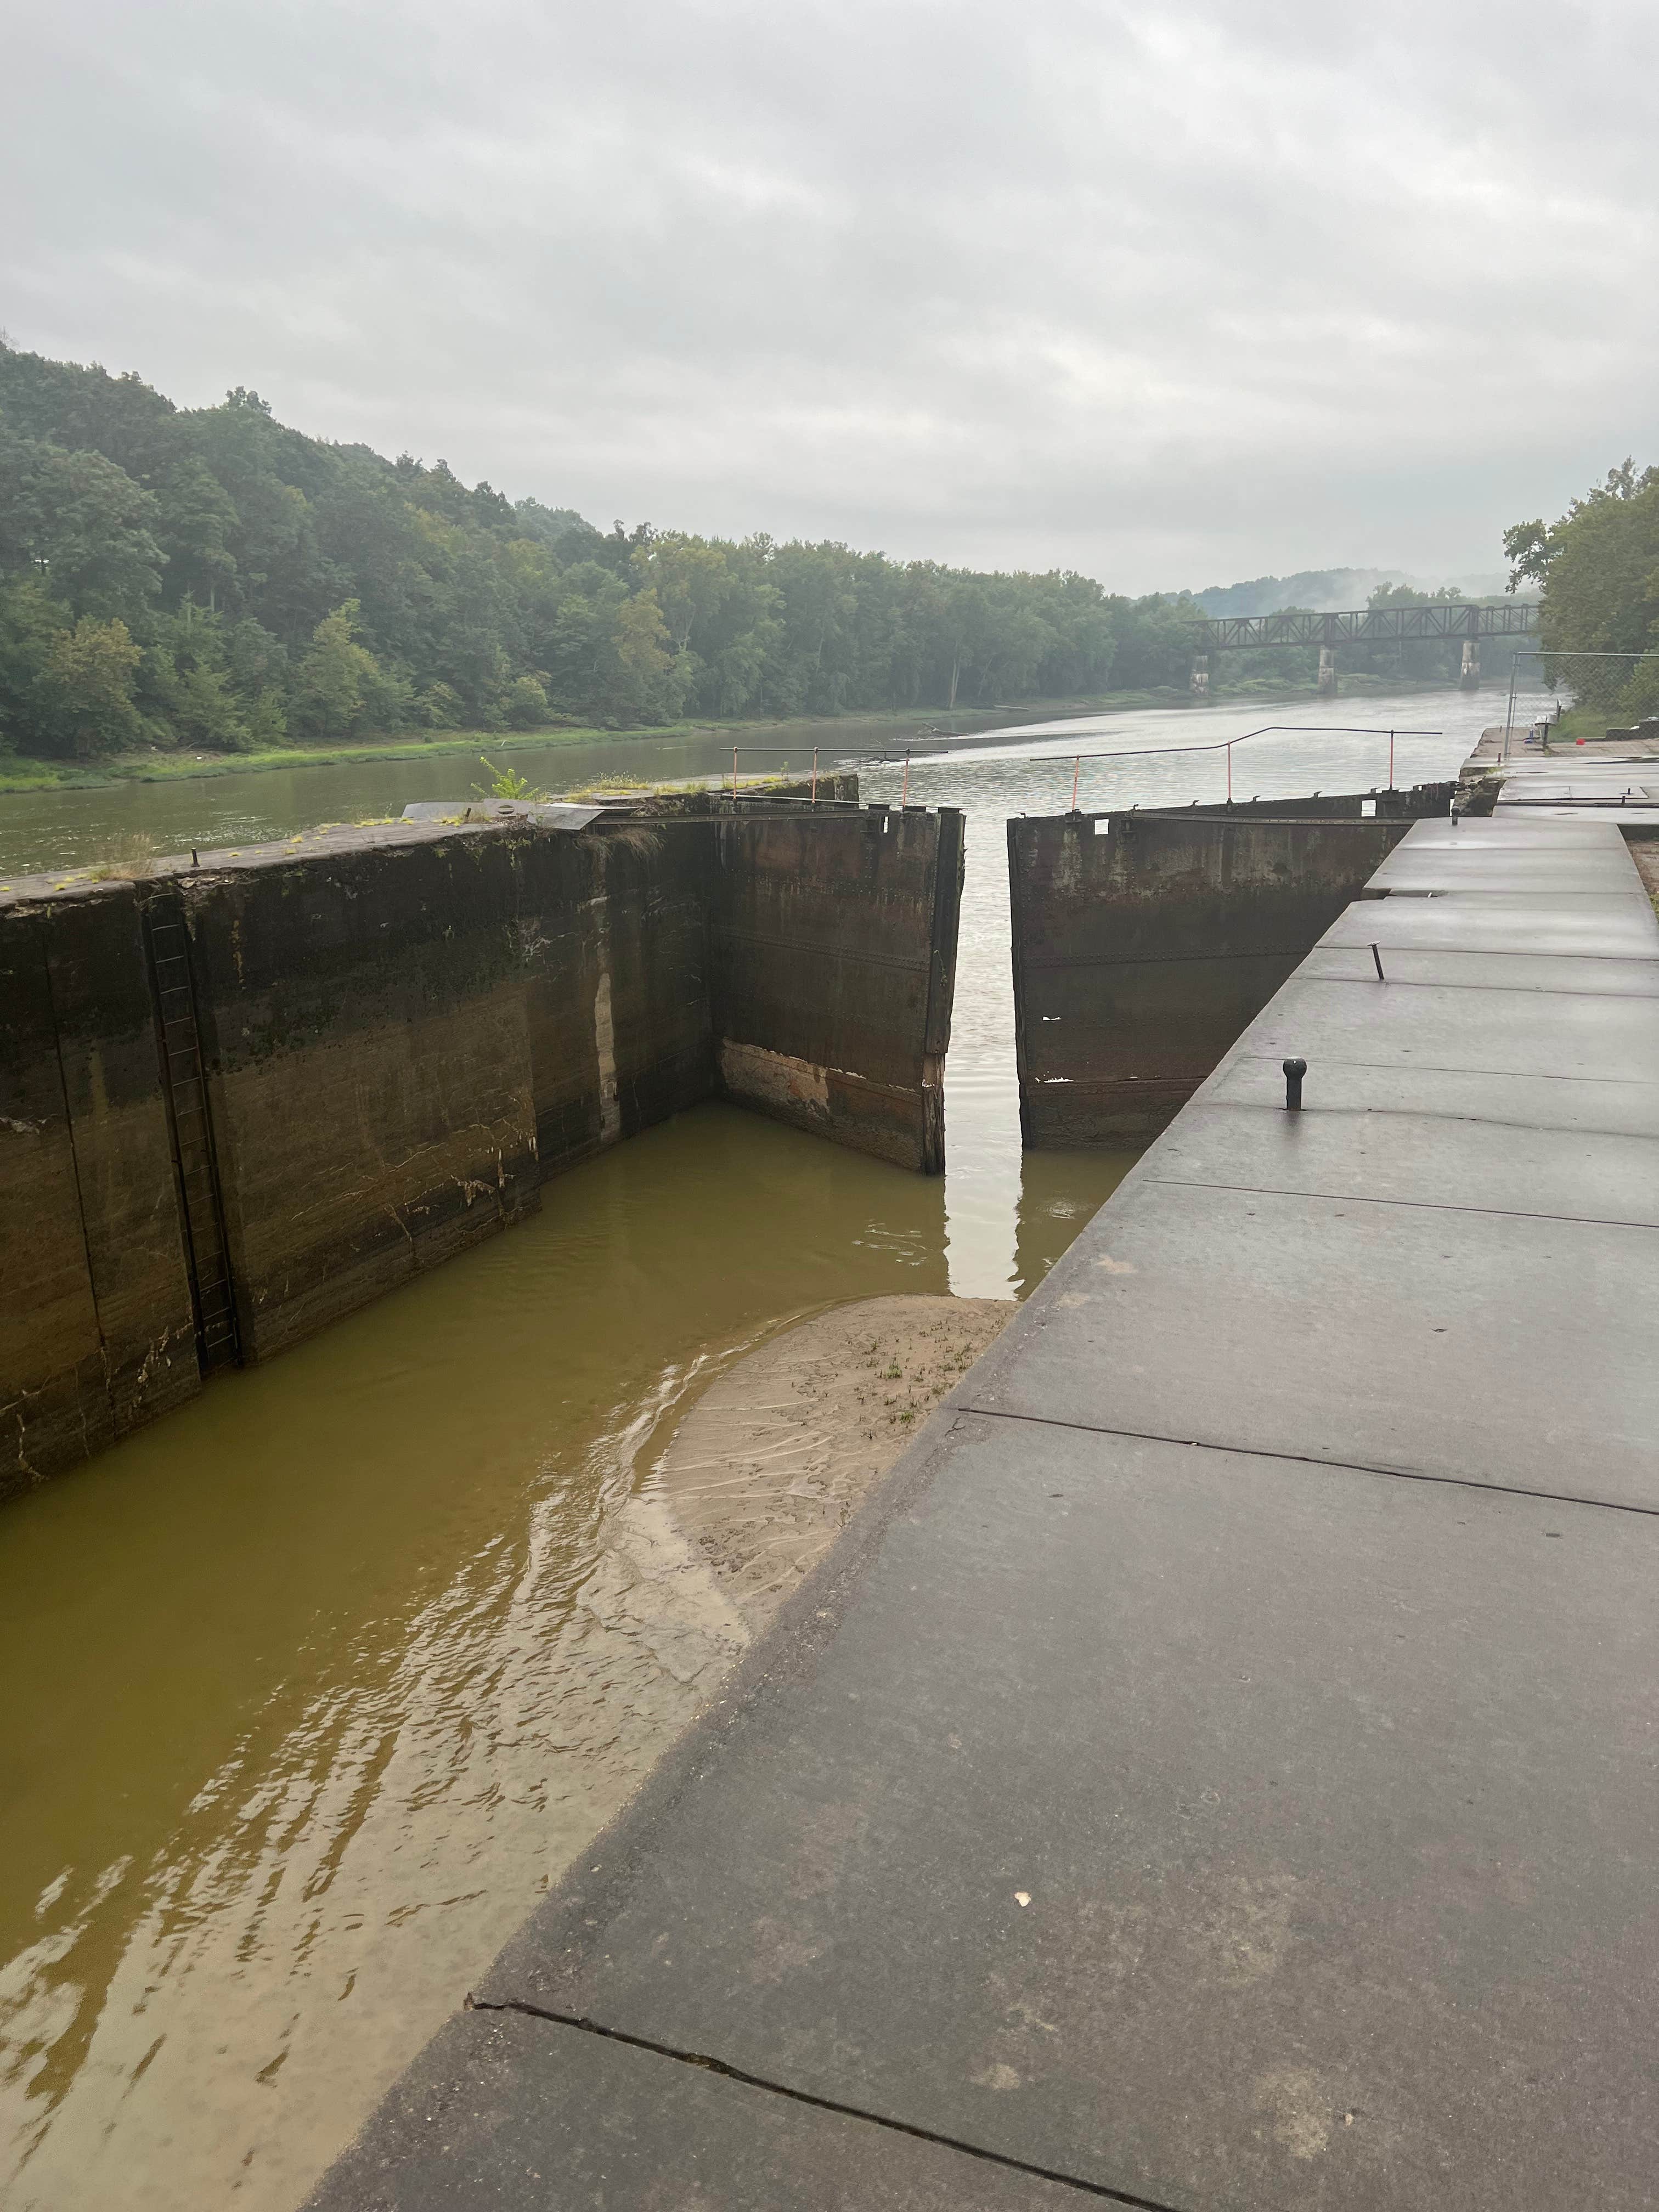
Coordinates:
315	1687
41	830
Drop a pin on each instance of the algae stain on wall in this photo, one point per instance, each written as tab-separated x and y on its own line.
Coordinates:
605	1033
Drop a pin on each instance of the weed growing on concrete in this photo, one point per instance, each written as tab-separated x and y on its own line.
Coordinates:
124	859
614	785
505	783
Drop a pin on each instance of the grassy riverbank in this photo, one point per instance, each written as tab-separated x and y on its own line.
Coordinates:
1585	725
22	772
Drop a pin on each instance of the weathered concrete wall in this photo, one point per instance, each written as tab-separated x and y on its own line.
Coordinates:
833	948
404	1029
364	1022
615	923
1144	944
96	1332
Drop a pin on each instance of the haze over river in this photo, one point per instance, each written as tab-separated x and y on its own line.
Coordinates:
314	1685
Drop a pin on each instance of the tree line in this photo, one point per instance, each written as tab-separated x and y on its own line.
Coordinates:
1597	568
210	578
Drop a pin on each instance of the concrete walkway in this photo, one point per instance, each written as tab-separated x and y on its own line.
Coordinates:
1566	782
1570	786
1221	1768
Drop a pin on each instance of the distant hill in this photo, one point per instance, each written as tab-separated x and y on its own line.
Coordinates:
1330	591
1324	590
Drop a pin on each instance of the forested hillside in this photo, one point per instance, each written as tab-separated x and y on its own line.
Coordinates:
207	578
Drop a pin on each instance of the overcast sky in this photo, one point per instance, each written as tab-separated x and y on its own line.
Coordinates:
1173	293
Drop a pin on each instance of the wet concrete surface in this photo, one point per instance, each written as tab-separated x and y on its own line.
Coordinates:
1339	1329
1417	1158
1305	1815
1612	928
1621	782
635	2127
1473	865
1602	973
1155	1787
1497	1032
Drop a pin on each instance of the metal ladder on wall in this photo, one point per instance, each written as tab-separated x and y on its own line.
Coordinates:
186	1084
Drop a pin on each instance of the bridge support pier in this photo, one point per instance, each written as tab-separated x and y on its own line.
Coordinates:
1469	678
1199	684
1327	672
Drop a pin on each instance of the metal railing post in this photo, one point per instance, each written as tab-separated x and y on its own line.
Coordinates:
1509	719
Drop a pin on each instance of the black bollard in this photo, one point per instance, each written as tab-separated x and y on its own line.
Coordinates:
1294	1071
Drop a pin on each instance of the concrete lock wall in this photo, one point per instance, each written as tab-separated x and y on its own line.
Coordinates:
400	1032
364	1024
96	1329
833	948
1145	943
614	934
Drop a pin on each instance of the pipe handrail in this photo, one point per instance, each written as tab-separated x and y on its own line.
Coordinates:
1124	752
914	748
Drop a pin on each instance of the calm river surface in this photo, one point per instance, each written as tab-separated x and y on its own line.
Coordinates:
315	1687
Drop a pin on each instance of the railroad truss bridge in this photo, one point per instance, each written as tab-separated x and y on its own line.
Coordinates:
1443	620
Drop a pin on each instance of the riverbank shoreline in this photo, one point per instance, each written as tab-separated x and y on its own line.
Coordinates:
23	776
22	773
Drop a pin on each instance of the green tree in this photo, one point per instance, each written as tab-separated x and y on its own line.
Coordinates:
80	524
97	541
1154	641
649	682
85	689
189	691
196	524
438	707
31	624
339	686
527	703
1598	566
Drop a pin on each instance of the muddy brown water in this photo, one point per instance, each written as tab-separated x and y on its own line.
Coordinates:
312	1687
41	830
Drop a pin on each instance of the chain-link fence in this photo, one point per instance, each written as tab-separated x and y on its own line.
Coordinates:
1566	698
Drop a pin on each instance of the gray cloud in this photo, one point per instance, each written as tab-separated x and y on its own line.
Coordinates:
1169	293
